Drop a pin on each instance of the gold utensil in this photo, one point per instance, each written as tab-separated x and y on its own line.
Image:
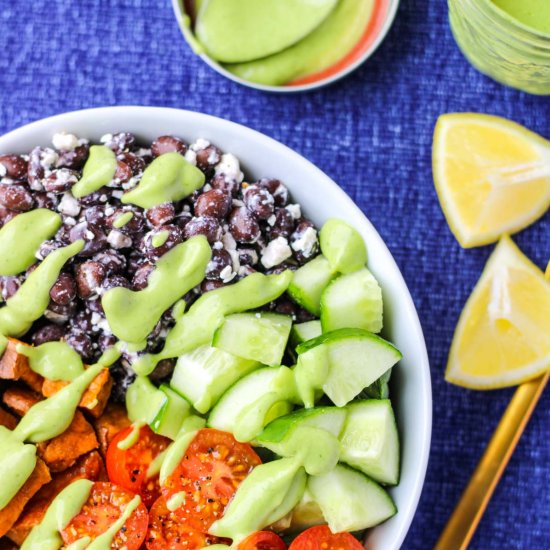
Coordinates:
472	504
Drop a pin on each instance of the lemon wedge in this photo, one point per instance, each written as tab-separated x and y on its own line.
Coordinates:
503	335
492	176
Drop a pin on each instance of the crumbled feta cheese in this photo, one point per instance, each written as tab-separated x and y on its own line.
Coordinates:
106	138
229	242
48	159
206	188
295	211
57	318
70	221
236	203
235	260
101	323
117	194
89	235
227	274
143	152
200	144
3	170
306	243
276	252
109	211
117	239
271	220
191	157
218	245
68	205
64	141
131	183
103	198
230	168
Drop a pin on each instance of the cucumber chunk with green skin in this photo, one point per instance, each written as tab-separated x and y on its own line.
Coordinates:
310	374
253	402
144	400
258	336
204	374
356	358
302	332
170	417
352	301
379	389
330	419
349	500
343	246
309	282
370	442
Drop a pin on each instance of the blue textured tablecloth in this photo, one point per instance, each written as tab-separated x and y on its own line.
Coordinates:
372	133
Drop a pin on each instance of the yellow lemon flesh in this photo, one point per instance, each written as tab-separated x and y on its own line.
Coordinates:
503	335
492	176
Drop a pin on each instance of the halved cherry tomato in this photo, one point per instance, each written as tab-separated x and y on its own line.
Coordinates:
262	540
104	506
321	537
166	530
128	467
214	465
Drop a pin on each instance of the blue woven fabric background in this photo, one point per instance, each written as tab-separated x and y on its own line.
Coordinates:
372	133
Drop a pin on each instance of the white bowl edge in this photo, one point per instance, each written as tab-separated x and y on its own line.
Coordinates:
262	156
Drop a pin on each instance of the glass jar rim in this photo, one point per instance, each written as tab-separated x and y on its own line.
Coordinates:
507	20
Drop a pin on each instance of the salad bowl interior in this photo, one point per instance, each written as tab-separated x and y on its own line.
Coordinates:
321	198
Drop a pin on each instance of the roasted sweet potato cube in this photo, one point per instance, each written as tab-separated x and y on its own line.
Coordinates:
62	451
89	466
94	398
7	420
10	514
113	420
20	399
14	366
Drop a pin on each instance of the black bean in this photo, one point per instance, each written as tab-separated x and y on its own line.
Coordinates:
81	343
230	186
219	261
48	333
139	282
277	189
120	142
283	225
113	262
161	214
214	203
89	278
203	225
207	158
16	197
167	144
14	166
75	158
259	201
63	290
243	225
60	180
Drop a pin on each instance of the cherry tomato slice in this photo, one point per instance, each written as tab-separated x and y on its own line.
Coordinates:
166	530
214	465
104	506
128	467
262	540
321	537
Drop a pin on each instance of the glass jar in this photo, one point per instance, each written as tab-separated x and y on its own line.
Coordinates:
501	46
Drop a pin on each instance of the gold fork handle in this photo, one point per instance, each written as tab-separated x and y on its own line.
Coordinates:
473	502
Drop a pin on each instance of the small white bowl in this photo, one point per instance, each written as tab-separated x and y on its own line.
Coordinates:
321	198
380	24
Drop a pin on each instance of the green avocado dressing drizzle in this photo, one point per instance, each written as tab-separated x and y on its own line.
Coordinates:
60	512
197	326
98	171
123	219
22	236
13	451
160	238
132	438
169	178
132	315
30	302
53	360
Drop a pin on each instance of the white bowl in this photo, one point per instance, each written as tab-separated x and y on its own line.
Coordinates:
382	28
322	198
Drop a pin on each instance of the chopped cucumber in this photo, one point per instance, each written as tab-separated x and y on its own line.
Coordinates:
253	402
170	417
144	400
349	500
258	336
352	301
306	514
309	282
343	246
379	389
302	332
331	419
204	374
370	441
310	434
356	358
310	374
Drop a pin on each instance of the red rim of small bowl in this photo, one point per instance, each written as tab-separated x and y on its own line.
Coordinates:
380	22
372	32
